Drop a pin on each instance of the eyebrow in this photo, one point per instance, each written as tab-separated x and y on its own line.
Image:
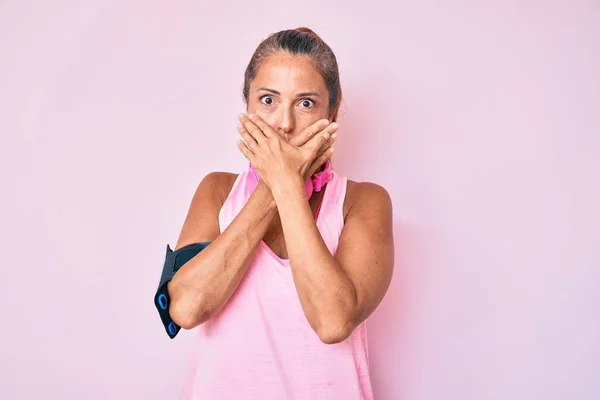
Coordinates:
304	94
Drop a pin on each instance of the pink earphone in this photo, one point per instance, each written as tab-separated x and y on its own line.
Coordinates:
314	184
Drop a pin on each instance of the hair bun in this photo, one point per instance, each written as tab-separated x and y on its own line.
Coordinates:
304	29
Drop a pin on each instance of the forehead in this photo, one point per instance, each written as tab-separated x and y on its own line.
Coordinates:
286	72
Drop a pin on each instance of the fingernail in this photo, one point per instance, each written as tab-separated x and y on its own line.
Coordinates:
334	126
334	136
240	116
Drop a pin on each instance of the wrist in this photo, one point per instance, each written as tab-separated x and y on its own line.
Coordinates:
264	195
289	187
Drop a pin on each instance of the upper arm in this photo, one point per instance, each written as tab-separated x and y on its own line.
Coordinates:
202	220
366	247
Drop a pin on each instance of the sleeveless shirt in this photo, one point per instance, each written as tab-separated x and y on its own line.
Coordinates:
260	345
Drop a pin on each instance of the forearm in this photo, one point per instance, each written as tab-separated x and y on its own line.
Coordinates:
205	283
327	295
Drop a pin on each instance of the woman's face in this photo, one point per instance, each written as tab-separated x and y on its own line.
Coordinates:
289	94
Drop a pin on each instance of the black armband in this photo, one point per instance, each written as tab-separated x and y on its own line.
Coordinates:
173	261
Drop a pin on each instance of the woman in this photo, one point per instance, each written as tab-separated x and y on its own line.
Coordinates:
282	291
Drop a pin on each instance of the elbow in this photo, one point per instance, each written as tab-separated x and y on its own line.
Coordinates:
337	326
332	332
185	312
181	315
182	319
187	317
333	335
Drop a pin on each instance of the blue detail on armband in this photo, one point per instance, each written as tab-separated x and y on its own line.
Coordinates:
162	301
172	328
173	261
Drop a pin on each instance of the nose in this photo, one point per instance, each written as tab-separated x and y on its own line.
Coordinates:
285	121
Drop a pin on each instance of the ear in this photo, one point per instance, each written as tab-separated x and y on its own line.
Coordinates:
333	116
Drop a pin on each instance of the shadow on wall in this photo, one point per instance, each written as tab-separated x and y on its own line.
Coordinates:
367	130
373	135
392	326
355	147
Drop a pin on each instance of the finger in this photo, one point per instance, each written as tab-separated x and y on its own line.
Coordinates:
320	160
251	128
321	139
309	132
249	140
327	144
262	125
324	148
245	150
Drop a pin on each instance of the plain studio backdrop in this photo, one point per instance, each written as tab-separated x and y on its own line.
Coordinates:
480	118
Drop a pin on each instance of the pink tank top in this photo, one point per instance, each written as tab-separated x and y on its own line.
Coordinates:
260	346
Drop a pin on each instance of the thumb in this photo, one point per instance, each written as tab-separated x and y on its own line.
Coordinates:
316	143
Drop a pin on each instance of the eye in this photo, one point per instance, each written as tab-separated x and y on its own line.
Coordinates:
268	100
307	103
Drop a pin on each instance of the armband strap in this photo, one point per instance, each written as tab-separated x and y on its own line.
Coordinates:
173	261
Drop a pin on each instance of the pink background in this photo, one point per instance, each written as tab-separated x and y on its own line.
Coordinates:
480	118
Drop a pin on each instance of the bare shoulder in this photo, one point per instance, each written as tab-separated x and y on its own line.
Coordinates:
217	183
202	221
367	198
